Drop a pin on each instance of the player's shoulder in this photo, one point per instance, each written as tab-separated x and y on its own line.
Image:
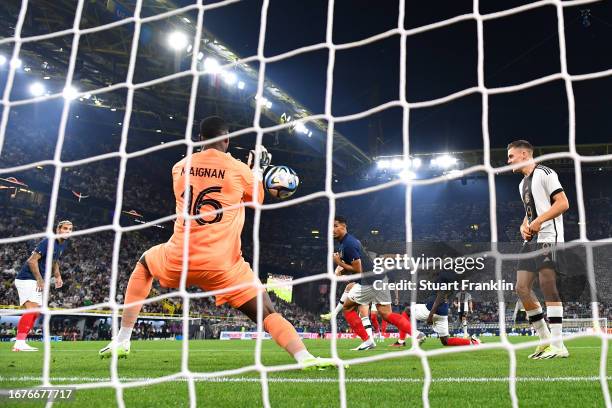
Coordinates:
544	171
224	159
43	242
179	164
239	164
237	167
41	246
350	239
211	155
353	242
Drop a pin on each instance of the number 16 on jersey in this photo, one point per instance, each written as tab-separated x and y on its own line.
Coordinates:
195	208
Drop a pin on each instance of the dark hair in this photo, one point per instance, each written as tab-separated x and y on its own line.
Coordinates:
212	127
340	219
521	144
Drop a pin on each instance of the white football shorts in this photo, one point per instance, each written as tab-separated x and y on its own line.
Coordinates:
366	294
440	323
26	288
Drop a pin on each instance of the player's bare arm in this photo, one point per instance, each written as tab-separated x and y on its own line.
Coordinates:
525	233
347	269
33	264
560	204
58	277
440	296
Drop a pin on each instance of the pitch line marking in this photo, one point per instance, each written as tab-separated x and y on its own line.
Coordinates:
321	380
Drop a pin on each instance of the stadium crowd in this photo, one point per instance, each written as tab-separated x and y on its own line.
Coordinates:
297	247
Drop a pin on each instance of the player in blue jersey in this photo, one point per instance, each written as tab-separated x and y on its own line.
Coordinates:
30	282
435	312
354	259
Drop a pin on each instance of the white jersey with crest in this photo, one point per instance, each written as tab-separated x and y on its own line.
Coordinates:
537	190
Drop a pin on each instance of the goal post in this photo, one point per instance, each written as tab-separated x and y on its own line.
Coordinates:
596	325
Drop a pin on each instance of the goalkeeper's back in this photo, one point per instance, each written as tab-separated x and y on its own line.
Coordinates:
217	182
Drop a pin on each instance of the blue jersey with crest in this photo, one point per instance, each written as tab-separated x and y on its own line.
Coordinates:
350	249
41	248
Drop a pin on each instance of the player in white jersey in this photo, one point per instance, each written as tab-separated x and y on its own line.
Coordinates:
545	202
463	304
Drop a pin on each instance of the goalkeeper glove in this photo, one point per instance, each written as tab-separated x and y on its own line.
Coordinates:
264	159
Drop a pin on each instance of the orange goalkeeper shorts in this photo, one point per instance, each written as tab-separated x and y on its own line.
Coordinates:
239	274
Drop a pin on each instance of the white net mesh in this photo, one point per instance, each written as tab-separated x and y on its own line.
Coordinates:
195	72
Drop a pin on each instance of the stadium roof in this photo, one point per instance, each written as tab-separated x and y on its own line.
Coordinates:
103	60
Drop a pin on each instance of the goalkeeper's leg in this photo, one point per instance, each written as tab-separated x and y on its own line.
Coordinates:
283	333
138	289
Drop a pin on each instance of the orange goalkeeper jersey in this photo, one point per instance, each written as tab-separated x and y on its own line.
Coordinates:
217	181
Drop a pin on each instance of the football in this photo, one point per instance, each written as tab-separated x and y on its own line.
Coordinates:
281	181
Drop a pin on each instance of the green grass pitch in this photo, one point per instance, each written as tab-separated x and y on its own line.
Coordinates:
468	379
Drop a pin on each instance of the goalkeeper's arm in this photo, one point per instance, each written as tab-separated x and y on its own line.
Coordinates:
259	160
262	158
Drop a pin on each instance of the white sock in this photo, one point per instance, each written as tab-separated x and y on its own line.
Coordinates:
340	304
302	355
367	325
464	324
539	324
125	333
555	319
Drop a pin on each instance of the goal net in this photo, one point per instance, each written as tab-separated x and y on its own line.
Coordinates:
596	325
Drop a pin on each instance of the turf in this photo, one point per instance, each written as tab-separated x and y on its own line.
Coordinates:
468	379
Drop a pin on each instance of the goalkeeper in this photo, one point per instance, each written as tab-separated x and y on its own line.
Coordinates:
219	187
